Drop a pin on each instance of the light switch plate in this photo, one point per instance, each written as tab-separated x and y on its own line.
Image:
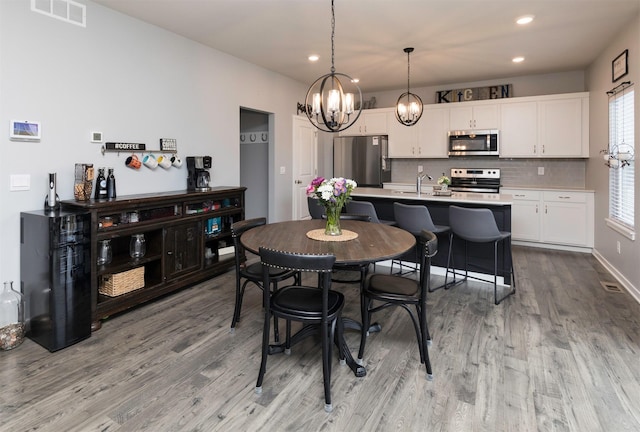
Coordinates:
20	182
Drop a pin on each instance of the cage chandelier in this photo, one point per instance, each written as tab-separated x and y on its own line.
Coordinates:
334	101
409	105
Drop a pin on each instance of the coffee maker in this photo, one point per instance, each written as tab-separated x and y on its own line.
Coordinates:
198	173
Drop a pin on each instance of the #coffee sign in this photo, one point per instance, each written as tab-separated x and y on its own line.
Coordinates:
478	93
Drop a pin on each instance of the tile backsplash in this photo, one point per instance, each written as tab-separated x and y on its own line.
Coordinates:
568	173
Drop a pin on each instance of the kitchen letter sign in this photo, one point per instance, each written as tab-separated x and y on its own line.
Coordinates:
478	93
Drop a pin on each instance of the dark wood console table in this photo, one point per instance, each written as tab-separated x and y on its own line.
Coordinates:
187	237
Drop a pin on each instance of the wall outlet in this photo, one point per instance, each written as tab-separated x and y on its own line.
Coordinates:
420	168
618	246
282	170
540	170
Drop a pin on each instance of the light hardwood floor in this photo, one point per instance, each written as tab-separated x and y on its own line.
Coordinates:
562	354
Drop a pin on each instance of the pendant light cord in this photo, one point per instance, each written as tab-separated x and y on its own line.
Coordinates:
408	70
333	31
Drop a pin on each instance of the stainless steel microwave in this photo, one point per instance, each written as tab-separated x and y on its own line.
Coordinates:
474	143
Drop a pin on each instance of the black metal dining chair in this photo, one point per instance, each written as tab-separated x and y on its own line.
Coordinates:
252	273
478	225
311	305
383	290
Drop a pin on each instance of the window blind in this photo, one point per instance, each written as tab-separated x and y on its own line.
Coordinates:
621	139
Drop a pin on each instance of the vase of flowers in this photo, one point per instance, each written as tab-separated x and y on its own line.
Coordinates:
332	194
444	182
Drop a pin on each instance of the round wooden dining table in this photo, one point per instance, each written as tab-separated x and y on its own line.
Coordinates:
374	242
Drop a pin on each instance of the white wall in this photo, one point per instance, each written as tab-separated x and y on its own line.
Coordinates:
530	85
623	265
135	83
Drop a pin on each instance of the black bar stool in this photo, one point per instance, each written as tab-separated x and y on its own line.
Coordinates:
478	225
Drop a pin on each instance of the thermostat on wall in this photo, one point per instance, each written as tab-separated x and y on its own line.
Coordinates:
24	130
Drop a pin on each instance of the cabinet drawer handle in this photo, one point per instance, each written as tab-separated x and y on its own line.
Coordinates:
519	195
169	252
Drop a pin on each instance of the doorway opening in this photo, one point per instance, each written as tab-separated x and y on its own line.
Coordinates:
255	139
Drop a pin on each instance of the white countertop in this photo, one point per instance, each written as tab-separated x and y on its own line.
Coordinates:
461	197
548	188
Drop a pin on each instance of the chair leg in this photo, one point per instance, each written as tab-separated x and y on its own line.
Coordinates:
287	342
366	322
512	276
424	339
326	366
238	306
265	351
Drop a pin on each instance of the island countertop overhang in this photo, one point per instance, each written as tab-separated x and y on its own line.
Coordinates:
456	197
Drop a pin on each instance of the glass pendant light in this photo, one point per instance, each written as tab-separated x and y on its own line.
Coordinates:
331	100
409	105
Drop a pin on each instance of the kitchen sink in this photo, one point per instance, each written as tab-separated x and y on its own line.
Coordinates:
405	192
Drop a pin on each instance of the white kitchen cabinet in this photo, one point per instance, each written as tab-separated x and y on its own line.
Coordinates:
563	127
469	116
370	122
554	217
567	218
519	130
426	139
555	126
432	132
403	140
525	214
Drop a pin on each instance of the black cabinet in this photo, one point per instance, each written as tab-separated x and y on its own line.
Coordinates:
183	250
186	236
55	273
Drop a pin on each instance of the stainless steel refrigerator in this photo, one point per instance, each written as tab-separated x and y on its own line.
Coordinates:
363	159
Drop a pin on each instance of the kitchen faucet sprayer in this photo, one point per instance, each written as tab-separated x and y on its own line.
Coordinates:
419	179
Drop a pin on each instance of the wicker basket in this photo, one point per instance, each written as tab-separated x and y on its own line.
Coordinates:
122	283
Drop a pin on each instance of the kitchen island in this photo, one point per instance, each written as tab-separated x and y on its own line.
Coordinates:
480	255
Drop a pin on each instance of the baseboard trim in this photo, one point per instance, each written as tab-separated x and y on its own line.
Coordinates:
626	284
553	246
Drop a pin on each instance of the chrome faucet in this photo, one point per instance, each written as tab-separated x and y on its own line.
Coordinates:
419	181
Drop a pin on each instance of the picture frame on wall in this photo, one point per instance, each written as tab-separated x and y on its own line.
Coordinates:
620	66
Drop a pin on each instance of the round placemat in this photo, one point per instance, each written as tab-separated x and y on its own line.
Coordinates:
318	234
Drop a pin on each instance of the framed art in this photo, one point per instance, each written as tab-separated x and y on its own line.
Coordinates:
24	130
620	66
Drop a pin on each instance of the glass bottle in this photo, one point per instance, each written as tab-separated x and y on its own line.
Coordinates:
11	317
105	254
137	247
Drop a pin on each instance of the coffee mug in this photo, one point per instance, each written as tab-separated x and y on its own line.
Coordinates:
150	161
176	161
164	162
133	162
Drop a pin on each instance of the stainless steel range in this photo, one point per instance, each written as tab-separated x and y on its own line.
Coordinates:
484	180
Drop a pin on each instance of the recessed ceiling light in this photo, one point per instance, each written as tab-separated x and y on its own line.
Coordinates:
314	58
525	19
517	59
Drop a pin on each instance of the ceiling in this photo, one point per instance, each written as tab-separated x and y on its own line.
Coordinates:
455	41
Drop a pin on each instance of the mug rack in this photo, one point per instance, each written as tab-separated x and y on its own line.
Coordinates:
119	147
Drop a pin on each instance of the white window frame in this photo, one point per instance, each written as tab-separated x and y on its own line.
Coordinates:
622	178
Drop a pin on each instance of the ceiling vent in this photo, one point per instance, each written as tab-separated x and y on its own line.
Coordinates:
64	10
